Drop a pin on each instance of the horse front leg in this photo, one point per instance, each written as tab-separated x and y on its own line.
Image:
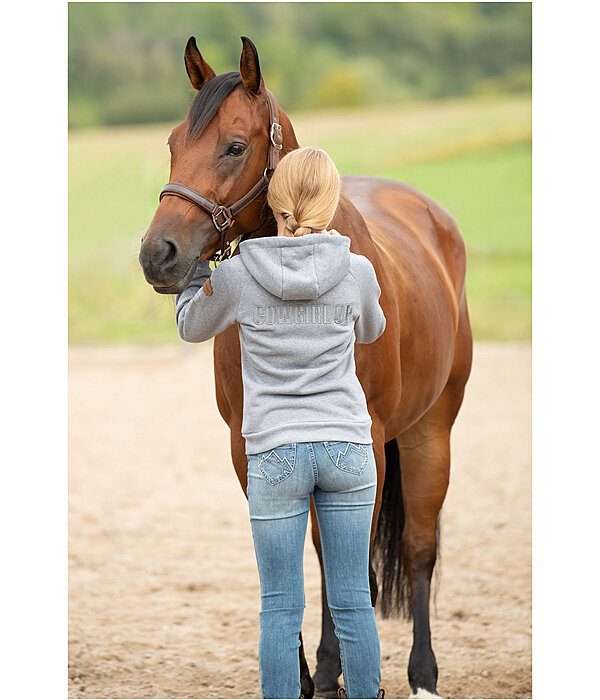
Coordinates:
307	685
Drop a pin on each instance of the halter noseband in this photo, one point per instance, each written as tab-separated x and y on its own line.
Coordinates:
222	216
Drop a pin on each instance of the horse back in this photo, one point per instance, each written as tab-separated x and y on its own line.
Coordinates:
403	221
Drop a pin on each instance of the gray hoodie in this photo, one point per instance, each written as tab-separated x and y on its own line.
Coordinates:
300	304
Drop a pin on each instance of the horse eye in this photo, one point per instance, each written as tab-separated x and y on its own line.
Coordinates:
235	149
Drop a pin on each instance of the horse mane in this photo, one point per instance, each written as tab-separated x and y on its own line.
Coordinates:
207	101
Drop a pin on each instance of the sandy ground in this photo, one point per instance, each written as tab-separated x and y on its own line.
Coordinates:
163	599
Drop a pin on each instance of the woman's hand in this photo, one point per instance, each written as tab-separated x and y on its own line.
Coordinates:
333	232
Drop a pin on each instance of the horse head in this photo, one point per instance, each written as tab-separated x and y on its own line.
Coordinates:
219	152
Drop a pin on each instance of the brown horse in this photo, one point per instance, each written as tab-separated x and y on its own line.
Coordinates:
413	376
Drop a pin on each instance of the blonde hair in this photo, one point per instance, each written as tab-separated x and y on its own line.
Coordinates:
305	190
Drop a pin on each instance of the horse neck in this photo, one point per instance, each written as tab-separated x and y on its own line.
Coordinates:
350	222
348	215
290	142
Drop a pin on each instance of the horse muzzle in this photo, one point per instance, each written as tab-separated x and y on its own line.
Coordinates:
169	261
164	266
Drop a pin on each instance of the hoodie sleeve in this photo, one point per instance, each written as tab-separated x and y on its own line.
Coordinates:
209	304
371	322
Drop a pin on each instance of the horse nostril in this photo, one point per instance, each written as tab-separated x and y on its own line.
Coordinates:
170	254
159	257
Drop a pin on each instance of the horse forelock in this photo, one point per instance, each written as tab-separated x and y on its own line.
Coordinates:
207	101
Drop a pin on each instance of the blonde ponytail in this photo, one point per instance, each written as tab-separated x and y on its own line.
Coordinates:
293	228
305	190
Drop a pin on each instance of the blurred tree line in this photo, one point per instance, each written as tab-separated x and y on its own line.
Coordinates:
126	59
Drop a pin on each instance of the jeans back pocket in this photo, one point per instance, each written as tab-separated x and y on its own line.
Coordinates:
350	457
277	464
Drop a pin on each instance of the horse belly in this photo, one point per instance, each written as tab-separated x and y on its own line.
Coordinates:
405	371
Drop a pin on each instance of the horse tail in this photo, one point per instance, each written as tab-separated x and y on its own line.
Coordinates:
393	596
392	581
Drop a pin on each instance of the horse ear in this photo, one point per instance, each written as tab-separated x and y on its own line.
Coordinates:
250	67
197	68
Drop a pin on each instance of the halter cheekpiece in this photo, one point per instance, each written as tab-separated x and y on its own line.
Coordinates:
223	217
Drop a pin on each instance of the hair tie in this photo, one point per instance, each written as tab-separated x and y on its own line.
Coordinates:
303	230
291	224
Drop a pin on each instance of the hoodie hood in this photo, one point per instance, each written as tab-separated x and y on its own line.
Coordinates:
302	267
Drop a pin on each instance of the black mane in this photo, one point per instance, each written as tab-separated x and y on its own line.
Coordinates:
208	100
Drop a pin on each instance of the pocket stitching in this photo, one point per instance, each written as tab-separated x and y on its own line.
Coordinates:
282	476
358	447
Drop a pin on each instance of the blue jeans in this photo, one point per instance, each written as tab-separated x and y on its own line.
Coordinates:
342	479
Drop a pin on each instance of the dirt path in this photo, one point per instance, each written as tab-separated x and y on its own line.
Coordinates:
163	585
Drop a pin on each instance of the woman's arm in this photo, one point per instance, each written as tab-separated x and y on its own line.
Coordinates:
209	304
371	322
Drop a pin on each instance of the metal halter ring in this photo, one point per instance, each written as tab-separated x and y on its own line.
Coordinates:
225	223
276	136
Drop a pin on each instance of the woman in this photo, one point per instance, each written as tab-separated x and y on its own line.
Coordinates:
301	300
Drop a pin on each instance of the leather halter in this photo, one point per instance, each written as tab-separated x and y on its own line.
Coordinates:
223	217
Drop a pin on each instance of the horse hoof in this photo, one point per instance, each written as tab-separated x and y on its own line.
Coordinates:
422	693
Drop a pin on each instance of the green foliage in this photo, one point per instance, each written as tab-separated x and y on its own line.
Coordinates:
340	87
472	155
126	59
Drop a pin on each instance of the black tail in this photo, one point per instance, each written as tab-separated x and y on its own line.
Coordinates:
393	597
392	582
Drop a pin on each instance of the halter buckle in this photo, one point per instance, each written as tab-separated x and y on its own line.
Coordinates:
276	136
225	222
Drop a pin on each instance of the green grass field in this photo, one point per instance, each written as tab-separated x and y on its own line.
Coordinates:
472	156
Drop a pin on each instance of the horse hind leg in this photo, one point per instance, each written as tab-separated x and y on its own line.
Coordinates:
424	452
